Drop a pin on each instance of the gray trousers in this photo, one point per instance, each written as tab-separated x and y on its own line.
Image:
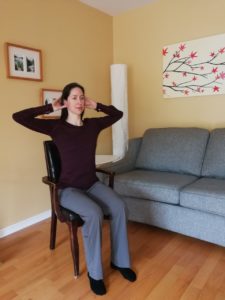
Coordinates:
91	205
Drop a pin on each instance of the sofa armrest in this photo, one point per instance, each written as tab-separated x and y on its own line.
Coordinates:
104	174
128	162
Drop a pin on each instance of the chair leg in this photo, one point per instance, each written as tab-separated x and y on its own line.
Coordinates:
74	246
53	230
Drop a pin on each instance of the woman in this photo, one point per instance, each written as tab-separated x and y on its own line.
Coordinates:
79	188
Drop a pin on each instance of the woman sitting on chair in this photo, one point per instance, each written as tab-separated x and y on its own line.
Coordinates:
79	188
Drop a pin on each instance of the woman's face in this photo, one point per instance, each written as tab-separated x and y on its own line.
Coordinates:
75	103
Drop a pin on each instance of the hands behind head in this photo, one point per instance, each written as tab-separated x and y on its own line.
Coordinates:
56	104
89	103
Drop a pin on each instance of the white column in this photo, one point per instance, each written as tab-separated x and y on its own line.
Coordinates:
120	100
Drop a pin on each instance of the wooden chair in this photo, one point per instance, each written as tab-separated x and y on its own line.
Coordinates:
64	215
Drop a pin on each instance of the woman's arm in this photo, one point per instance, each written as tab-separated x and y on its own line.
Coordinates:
113	113
27	118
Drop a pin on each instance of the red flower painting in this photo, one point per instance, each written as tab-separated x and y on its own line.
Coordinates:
194	68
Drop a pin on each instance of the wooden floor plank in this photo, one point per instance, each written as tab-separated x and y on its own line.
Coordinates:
169	266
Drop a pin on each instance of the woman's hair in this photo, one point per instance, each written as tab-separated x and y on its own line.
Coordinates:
65	94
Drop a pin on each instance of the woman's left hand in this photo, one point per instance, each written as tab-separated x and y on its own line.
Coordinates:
89	103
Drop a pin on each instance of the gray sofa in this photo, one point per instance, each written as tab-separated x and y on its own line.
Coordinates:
174	178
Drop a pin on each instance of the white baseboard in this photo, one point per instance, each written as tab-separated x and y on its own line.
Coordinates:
25	223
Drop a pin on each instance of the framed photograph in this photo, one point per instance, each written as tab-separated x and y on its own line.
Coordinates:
23	62
47	97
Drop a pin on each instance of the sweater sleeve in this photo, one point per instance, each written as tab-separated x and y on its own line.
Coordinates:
113	115
27	118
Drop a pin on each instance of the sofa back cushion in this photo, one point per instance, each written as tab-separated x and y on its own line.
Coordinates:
214	161
179	150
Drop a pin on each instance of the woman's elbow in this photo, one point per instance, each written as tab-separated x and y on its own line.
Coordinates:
121	115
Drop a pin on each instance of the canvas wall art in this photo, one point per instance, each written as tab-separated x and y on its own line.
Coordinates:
194	68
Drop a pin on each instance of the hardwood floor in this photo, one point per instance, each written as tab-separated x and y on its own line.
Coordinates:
169	267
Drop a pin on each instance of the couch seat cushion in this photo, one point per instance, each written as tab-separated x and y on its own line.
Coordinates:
179	150
214	161
152	185
205	194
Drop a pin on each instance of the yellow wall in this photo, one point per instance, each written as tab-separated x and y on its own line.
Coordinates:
140	35
76	43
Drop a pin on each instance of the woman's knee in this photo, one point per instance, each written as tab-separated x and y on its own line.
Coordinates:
95	213
118	207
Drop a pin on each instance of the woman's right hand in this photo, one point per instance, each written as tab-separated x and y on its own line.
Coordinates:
56	104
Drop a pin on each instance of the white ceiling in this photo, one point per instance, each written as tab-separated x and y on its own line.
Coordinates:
115	7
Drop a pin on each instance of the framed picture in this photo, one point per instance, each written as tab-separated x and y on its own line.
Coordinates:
23	62
47	97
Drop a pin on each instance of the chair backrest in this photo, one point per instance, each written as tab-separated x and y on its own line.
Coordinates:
52	159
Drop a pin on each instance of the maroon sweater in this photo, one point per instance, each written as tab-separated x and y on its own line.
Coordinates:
76	144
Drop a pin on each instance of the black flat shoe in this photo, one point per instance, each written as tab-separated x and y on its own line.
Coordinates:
126	272
97	286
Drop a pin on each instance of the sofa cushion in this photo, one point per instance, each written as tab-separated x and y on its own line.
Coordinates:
214	162
178	150
152	185
205	194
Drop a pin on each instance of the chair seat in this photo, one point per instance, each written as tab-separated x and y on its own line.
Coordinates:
71	216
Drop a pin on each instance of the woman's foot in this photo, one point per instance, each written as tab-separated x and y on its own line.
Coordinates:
97	286
126	272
